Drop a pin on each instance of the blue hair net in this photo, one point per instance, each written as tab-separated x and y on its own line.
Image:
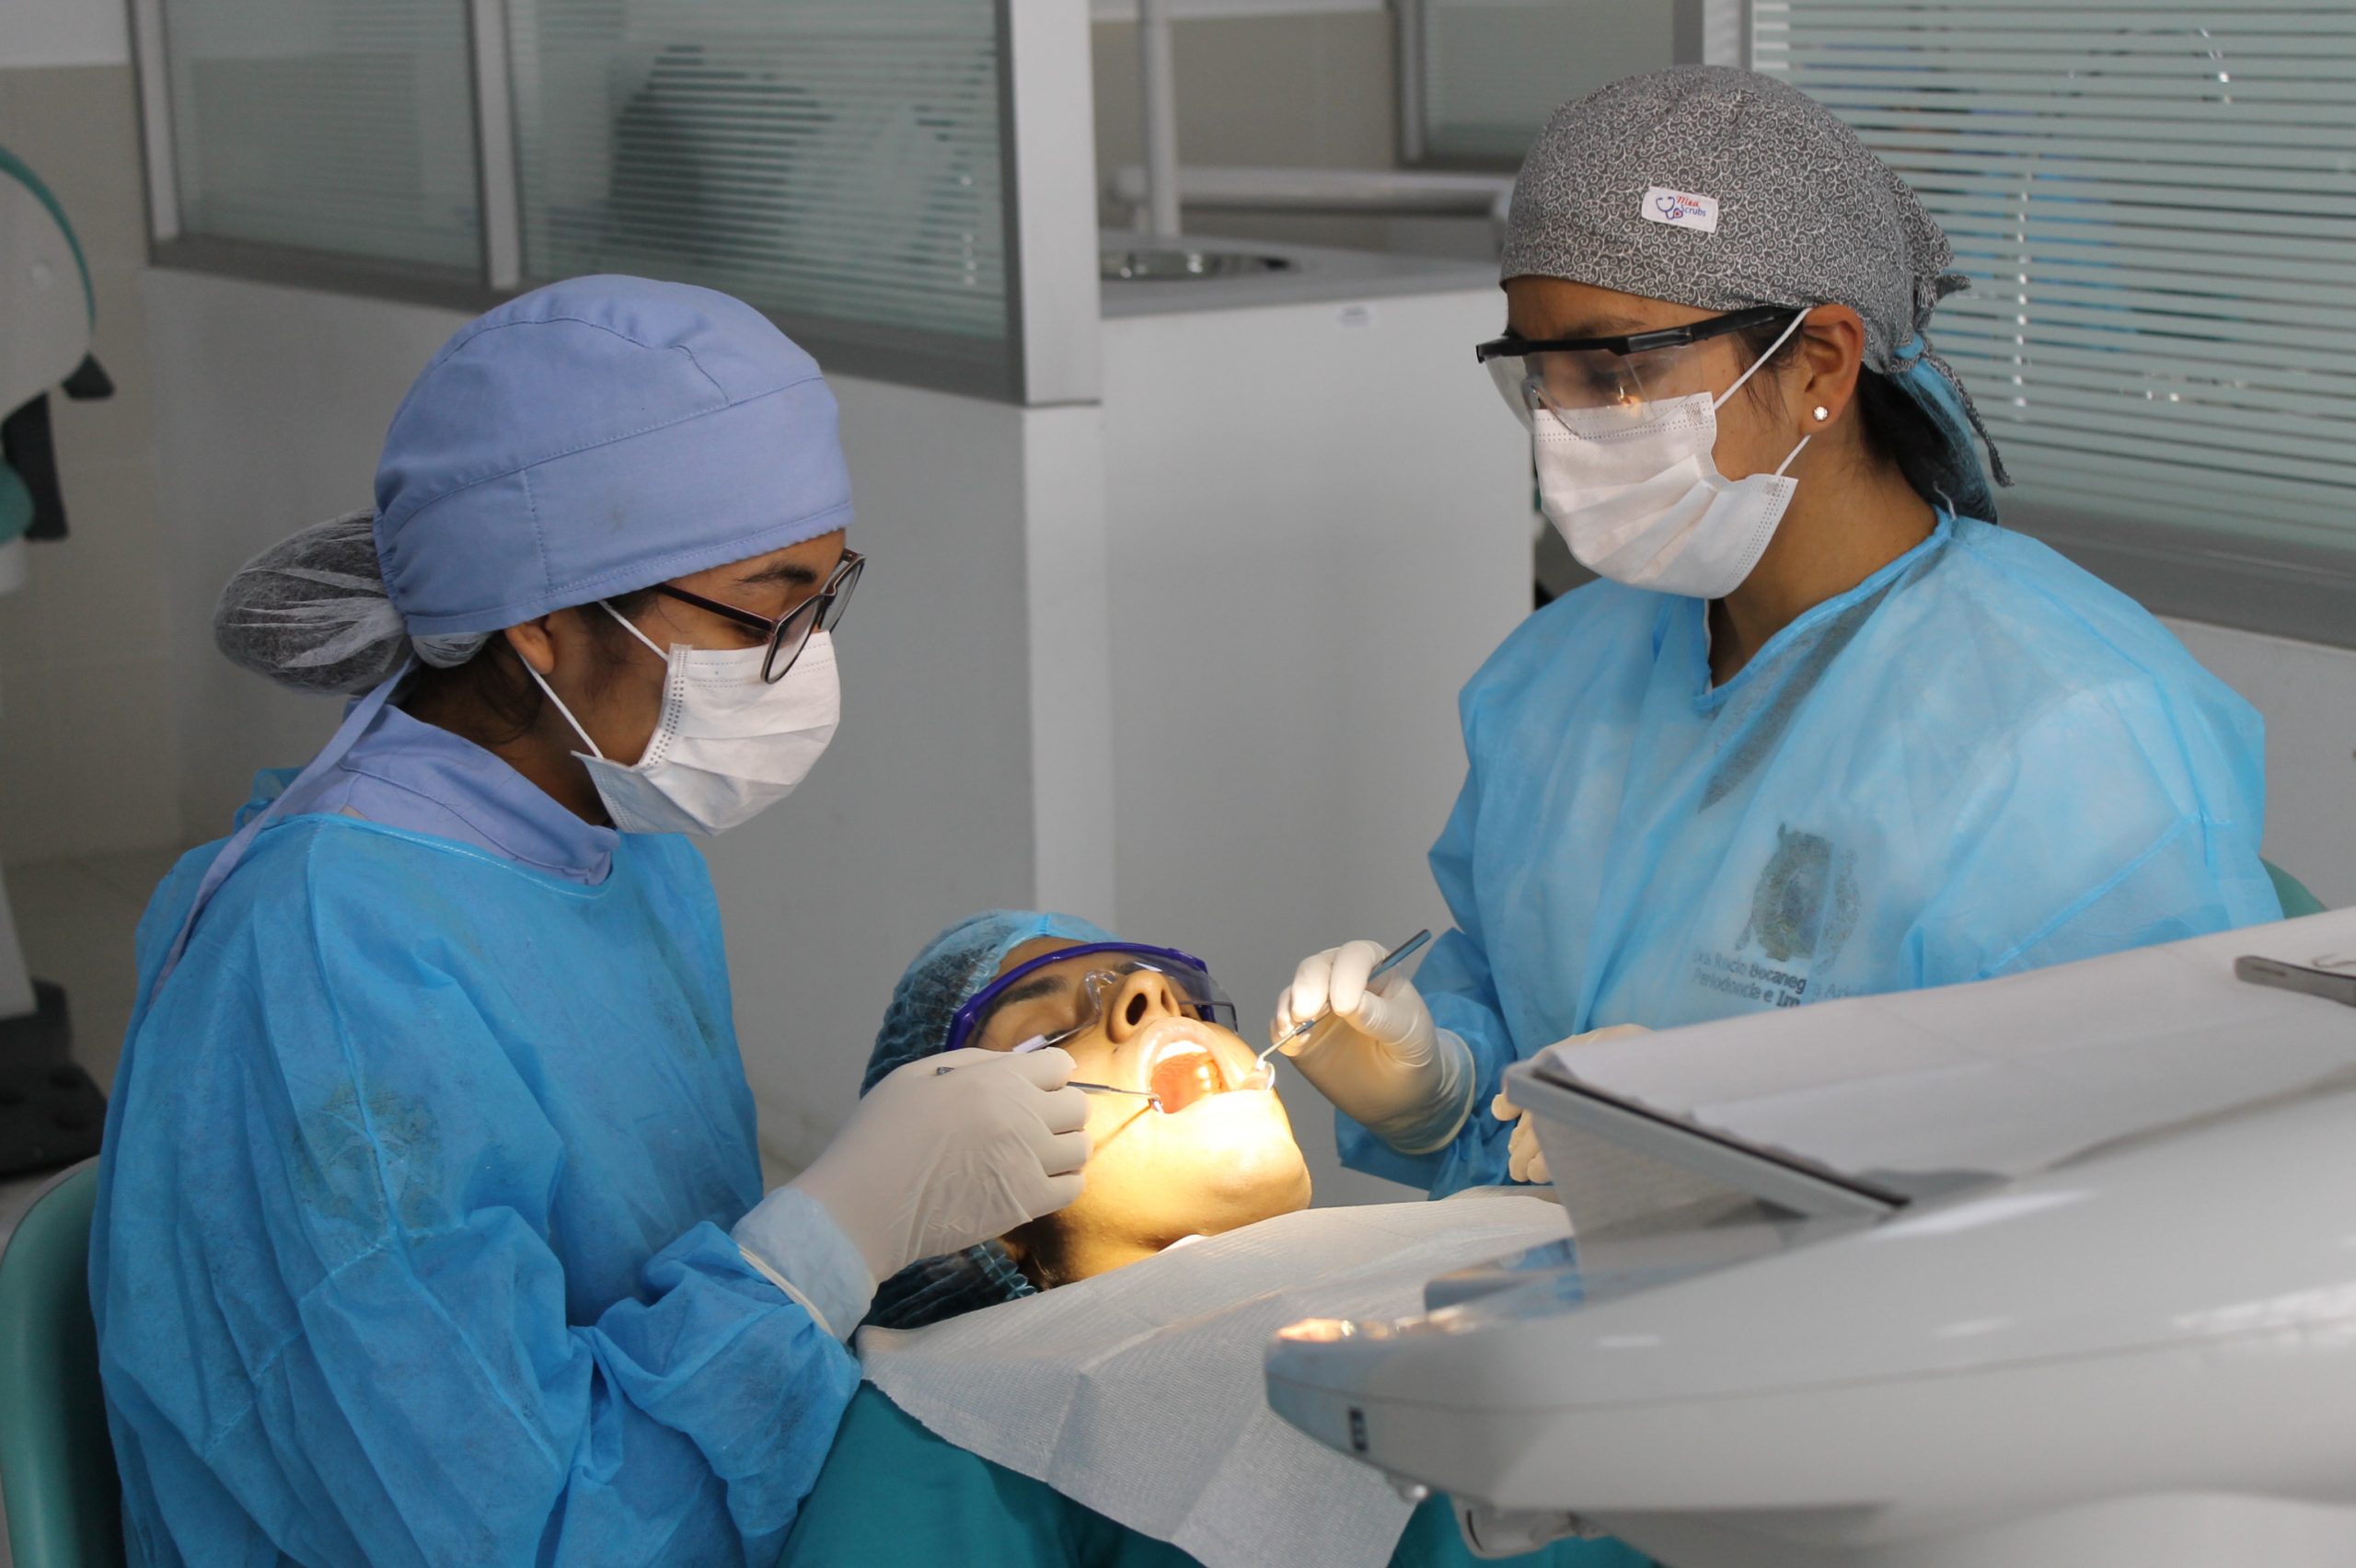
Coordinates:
1939	392
951	972
948	973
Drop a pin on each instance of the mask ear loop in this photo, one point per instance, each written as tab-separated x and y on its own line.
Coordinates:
550	692
1781	339
651	647
1785	337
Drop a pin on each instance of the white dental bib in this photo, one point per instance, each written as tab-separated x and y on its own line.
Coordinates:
1141	1392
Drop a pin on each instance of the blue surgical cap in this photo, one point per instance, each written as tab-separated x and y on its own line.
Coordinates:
586	440
948	973
597	436
951	972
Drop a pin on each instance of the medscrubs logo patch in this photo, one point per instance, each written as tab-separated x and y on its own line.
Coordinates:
1682	208
1806	902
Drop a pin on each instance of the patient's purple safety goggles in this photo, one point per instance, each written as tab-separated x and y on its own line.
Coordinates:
1062	994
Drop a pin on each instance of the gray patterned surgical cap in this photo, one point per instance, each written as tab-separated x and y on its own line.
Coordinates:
1791	210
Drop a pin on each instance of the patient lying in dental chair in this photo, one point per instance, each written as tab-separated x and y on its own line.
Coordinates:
969	1452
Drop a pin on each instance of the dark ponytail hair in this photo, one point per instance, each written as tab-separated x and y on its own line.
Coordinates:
1893	428
494	689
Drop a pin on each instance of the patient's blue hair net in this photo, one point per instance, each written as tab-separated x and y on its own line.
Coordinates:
948	973
951	972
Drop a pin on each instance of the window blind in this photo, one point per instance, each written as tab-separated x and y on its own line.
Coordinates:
832	163
2154	201
331	125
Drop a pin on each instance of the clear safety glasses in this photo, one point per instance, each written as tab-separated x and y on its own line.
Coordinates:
1596	376
1058	998
790	634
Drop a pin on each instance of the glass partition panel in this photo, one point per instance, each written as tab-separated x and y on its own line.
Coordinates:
1487	73
839	165
344	126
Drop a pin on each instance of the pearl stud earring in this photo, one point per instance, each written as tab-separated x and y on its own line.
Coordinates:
1823	413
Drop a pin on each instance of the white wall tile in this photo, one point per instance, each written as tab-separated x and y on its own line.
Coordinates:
2308	695
21	645
77	128
104	778
87	761
65	32
101	590
29	777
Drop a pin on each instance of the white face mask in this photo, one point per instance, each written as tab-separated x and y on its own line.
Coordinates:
1639	498
726	746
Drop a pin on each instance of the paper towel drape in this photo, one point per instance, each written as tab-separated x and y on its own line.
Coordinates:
1140	1394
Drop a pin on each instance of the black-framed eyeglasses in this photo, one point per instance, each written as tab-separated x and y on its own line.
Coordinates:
1619	372
790	634
1626	344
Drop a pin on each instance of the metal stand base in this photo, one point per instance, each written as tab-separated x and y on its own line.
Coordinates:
44	1035
2180	1531
50	1113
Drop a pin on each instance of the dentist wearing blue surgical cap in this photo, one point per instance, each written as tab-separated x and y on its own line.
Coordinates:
429	1222
1822	728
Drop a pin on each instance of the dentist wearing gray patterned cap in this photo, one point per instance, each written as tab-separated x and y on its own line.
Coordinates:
1822	728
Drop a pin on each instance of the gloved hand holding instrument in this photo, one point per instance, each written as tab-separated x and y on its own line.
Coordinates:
1376	1053
951	1150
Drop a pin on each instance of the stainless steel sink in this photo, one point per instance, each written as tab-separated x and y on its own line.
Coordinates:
1158	264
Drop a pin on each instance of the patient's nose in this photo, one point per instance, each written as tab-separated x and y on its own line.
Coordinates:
1142	997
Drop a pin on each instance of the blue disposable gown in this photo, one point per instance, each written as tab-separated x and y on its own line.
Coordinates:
413	1243
1981	760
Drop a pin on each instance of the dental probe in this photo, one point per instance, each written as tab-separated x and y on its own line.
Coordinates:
1030	1045
1039	1042
1108	1088
1391	961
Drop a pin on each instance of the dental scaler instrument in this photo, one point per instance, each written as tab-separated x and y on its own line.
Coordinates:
1040	1044
1147	1095
1391	961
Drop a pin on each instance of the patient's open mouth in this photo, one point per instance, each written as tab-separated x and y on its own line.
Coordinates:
1184	1072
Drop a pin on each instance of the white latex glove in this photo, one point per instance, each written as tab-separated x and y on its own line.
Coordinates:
1525	1161
934	1161
1380	1059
